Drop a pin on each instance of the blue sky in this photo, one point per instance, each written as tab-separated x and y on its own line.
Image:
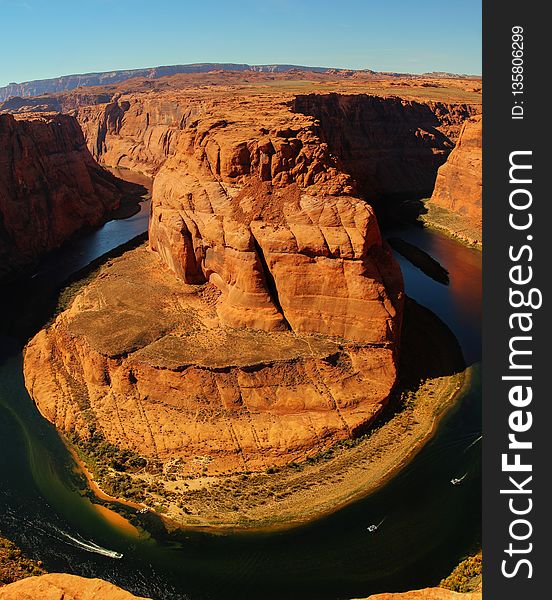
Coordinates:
48	38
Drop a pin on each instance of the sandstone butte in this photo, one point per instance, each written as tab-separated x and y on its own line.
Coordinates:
458	183
263	324
50	187
59	586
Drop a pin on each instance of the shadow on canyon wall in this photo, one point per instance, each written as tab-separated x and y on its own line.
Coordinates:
391	147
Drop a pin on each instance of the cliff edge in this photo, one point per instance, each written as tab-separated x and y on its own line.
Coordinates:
50	187
456	202
262	326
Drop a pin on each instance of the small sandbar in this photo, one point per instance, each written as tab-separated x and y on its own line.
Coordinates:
116	520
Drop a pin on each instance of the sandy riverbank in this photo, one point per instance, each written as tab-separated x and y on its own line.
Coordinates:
453	225
432	378
114	518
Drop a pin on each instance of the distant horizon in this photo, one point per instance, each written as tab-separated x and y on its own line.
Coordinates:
95	36
230	62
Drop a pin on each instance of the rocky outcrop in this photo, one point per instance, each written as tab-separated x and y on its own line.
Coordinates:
458	185
50	187
144	360
391	147
270	220
204	157
60	586
273	330
15	564
428	594
265	325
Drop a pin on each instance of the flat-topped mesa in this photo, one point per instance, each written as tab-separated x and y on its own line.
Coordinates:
267	216
50	187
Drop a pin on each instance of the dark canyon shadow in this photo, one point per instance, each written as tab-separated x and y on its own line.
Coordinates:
421	259
391	148
28	298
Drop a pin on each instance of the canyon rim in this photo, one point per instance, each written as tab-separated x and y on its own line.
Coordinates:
262	323
256	362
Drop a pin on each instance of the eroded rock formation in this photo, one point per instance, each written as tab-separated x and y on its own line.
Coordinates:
50	187
143	359
458	184
136	133
60	586
265	324
268	217
392	147
279	333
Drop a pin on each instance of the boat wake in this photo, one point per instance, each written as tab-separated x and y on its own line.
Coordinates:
88	545
9	516
372	528
475	442
458	480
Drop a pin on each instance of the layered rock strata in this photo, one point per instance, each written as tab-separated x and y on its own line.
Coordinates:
269	218
271	332
265	324
144	360
135	133
459	180
71	82
392	147
50	187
